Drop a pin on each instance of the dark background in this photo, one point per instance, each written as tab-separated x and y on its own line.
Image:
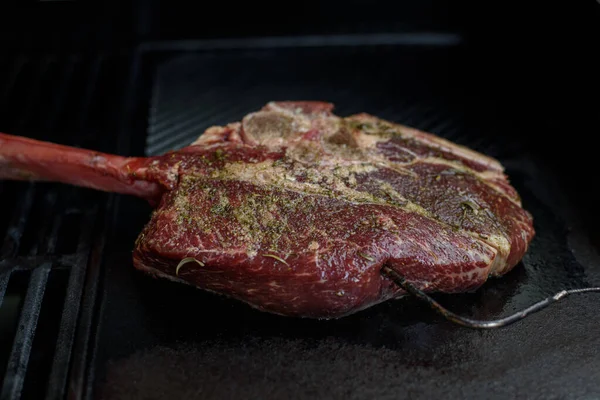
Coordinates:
521	85
541	57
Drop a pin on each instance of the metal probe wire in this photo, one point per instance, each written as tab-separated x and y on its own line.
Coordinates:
478	324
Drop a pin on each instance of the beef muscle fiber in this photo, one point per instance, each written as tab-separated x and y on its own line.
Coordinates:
295	210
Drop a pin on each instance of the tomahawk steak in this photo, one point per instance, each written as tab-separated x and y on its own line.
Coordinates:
295	210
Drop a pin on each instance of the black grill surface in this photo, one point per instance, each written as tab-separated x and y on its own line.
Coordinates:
161	340
78	321
54	235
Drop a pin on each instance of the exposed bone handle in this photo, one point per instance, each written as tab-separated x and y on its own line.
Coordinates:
28	159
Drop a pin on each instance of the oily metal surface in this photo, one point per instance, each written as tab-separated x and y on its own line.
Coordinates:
158	339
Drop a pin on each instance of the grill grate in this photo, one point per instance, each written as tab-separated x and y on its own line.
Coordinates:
189	342
53	234
58	339
194	91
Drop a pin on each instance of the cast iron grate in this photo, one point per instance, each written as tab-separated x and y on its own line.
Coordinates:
52	234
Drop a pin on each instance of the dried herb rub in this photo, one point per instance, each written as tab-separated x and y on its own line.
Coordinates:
297	211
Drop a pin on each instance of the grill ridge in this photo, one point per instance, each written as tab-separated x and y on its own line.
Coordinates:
19	357
66	335
40	95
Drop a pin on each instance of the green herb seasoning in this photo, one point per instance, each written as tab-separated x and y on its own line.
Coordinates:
220	155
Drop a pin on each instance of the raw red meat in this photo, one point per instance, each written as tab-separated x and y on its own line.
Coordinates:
295	210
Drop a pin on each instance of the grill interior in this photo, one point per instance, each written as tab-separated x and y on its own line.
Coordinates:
53	234
77	321
189	342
